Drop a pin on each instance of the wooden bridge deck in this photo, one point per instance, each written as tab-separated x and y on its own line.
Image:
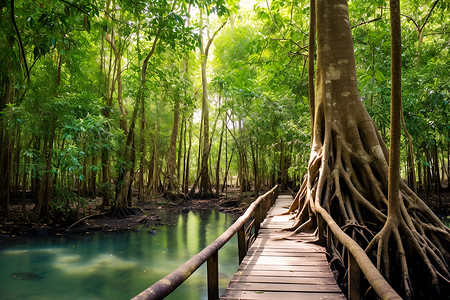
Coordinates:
278	268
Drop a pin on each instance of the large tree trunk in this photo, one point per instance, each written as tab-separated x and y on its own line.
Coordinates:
348	173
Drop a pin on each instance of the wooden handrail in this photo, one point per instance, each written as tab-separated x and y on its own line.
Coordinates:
168	284
357	260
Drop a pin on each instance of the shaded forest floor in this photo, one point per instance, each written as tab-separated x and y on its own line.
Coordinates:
145	214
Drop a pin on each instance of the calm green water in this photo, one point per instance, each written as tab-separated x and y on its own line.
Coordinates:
115	265
446	221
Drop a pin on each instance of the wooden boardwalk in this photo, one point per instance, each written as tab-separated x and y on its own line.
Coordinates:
279	268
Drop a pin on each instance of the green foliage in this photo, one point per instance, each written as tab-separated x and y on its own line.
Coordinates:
55	94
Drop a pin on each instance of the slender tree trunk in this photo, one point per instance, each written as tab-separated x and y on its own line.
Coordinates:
123	196
205	188
171	186
254	149
427	174
225	179
437	177
396	110
187	162
410	157
205	184
155	162
180	149
142	148
104	91
218	160
24	188
93	178
419	172
142	140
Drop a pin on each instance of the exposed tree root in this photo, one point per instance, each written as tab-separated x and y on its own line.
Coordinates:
347	180
121	211
350	181
175	196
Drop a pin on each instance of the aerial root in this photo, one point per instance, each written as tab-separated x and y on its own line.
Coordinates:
406	282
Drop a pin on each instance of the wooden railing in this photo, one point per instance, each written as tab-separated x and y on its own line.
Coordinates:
357	262
246	226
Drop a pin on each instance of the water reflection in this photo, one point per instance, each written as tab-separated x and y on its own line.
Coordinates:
446	221
116	265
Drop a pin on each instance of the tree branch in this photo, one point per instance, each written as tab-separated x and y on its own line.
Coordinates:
22	51
117	20
370	21
428	15
212	38
290	40
415	23
73	5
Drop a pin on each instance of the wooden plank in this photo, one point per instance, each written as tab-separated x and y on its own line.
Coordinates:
255	295
281	247
290	280
284	244
311	250
285	268
283	287
285	261
285	273
280	253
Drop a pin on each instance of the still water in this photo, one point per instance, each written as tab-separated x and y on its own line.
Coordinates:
116	265
446	221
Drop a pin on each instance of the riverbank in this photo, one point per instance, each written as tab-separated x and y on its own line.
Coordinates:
147	214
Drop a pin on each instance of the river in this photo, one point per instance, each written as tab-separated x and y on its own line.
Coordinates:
116	265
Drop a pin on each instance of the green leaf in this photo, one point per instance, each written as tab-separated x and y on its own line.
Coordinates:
379	76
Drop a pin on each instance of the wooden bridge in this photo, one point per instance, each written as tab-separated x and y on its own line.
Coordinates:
280	266
275	264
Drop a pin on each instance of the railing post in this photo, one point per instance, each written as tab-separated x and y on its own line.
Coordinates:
329	239
257	219
270	202
321	230
354	274
242	247
213	276
267	205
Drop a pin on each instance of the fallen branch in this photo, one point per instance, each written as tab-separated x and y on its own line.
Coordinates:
85	218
